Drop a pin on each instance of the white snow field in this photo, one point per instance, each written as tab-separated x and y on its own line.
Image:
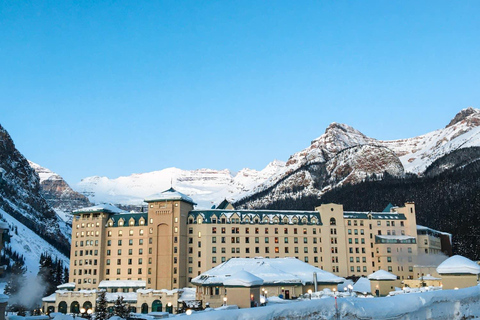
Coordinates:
438	305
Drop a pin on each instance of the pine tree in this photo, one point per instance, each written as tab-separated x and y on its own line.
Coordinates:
121	308
15	282
46	273
16	279
65	277
101	312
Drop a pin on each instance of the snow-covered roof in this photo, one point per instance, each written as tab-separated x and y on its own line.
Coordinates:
362	285
243	279
127	296
428	277
50	298
395	237
122	284
170	194
167	292
458	265
104	207
271	271
427	229
66	285
382	275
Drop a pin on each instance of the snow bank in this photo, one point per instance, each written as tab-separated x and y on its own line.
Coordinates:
439	305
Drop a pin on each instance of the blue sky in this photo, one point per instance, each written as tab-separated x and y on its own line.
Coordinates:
119	87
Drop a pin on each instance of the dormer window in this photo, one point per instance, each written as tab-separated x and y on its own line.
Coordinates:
121	222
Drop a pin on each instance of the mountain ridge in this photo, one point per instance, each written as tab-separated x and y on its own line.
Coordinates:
208	186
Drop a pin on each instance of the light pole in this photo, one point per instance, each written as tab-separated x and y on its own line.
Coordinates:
310	293
225	301
350	289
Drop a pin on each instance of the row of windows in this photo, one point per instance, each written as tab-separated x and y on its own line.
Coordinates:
129	271
131	222
85	272
87	253
87	233
88	225
130	251
129	261
86	262
257	240
130	242
247	219
236	230
130	232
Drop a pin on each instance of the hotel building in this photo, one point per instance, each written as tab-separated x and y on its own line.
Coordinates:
172	243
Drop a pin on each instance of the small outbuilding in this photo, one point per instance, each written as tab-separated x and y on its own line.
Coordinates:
458	272
382	282
283	277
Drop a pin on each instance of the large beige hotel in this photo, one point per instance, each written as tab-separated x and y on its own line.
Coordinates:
172	243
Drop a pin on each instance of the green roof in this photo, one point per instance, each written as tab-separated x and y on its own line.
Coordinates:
223	205
261	214
388	207
375	215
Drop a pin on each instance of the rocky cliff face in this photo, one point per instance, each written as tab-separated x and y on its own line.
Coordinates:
21	198
58	194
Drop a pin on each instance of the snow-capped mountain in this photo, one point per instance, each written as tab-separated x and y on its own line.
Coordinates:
58	194
344	155
206	186
37	227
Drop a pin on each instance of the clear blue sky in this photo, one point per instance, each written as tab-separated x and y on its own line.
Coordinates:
119	87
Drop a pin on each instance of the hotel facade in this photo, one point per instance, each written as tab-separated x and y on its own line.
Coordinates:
172	243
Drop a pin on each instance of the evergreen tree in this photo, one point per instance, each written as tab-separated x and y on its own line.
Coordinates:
65	278
16	278
101	312
15	282
46	273
121	308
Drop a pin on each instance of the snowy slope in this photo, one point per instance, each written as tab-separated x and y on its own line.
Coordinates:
28	243
205	186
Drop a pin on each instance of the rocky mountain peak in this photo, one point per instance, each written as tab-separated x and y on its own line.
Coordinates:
462	115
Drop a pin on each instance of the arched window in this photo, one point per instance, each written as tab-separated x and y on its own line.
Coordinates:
157	306
333	222
87	305
75	307
62	307
144	308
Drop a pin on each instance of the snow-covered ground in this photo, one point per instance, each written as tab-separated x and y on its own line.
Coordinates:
439	305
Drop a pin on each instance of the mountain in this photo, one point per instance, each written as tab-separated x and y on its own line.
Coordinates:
341	156
206	186
344	155
25	210
58	194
